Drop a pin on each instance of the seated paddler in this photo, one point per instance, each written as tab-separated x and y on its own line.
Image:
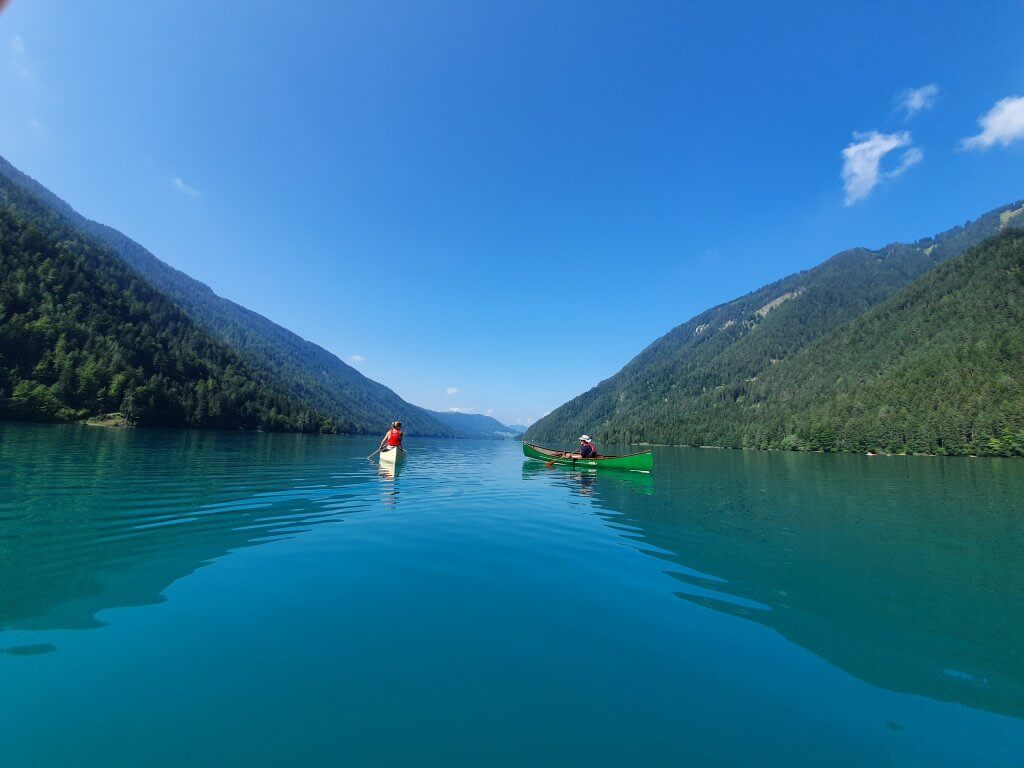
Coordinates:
393	438
587	449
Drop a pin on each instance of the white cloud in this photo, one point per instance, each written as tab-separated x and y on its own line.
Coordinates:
914	100
452	391
36	125
17	46
184	188
1003	124
912	156
456	409
862	161
489	412
357	359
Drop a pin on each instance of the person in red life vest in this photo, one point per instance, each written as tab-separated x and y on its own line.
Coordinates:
587	449
393	438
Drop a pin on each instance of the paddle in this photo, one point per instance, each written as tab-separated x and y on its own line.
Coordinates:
373	454
551	463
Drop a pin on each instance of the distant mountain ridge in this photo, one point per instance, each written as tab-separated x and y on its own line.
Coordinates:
314	376
700	383
473	424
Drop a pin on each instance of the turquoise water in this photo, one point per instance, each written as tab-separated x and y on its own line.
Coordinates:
181	598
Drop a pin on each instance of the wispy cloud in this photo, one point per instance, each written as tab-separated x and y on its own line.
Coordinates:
357	359
457	409
184	188
914	100
489	412
18	56
862	161
912	156
1003	124
452	391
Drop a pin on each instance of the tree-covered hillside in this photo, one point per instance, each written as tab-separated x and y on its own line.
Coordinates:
310	373
939	368
81	334
693	386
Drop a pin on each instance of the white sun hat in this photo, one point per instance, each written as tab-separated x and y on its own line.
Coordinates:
584	438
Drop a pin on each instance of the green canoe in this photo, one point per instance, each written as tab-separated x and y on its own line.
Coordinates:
636	462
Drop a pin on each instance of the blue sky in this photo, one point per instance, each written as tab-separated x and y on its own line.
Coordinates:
511	200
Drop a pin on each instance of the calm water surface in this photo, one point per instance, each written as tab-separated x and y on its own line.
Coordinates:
181	598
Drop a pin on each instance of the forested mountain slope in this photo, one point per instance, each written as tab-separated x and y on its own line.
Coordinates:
688	386
309	372
938	368
81	334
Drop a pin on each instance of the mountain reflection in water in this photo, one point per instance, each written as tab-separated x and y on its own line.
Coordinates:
902	571
106	519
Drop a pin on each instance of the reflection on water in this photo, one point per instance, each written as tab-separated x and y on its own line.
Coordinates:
546	587
390	470
905	572
92	519
586	480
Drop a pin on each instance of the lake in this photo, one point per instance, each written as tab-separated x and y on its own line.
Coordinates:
186	598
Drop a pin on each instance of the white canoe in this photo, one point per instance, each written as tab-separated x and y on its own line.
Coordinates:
392	456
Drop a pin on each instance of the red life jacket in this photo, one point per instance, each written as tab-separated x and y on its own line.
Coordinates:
394	437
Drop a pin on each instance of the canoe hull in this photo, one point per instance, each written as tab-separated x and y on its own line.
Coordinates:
392	457
634	462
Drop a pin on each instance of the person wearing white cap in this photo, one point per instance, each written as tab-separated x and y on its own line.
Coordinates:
587	450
